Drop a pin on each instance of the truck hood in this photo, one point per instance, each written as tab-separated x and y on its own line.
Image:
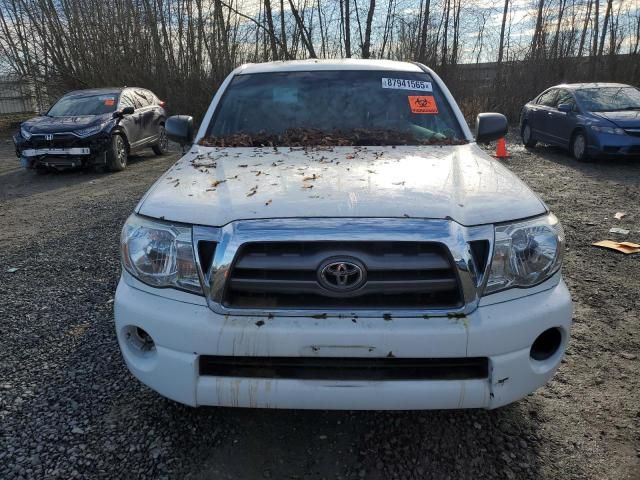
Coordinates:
622	119
215	186
46	124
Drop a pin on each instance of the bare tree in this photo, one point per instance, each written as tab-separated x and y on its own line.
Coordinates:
505	10
366	45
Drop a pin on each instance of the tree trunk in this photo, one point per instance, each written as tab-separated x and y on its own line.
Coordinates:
583	36
422	52
271	31
305	36
607	14
504	23
366	46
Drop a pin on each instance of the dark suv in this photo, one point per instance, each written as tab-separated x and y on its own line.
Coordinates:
93	127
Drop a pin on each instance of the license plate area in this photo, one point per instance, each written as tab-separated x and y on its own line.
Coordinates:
36	152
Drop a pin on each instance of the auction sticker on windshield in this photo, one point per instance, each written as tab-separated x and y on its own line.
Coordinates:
423	104
403	84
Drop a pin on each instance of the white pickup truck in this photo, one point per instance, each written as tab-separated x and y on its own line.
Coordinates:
335	239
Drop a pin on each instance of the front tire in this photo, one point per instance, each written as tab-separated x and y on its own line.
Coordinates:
579	147
162	146
117	153
528	139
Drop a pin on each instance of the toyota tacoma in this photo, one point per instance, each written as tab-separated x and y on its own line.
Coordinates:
334	238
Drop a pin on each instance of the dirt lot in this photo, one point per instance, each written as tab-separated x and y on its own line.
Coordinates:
70	409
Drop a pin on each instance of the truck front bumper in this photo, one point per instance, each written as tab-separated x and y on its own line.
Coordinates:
183	329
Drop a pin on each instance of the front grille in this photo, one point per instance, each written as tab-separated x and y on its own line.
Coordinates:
330	368
66	140
415	275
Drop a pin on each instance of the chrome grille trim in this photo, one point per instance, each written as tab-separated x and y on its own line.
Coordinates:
396	274
233	235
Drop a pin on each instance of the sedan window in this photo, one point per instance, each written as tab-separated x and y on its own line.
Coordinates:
609	99
564	96
548	98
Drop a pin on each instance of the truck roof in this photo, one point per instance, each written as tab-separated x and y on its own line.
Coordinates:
316	64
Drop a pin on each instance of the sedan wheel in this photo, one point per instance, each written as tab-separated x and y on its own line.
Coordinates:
527	137
579	147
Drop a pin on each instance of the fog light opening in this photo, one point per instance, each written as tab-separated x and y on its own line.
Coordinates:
140	339
546	345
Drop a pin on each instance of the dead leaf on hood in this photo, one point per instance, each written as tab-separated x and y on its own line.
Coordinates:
217	182
307	186
243	166
312	177
398	183
268	202
372	171
253	191
210	190
204	164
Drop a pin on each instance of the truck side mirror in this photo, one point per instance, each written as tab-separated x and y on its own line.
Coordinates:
179	128
490	126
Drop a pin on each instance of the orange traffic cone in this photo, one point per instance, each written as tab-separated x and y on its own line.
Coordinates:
501	149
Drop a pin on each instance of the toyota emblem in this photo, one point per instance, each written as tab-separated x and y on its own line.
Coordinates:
342	274
48	136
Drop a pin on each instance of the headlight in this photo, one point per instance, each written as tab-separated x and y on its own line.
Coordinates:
609	130
525	253
159	254
25	133
87	132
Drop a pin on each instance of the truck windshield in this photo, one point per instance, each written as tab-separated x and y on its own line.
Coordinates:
76	105
333	108
609	99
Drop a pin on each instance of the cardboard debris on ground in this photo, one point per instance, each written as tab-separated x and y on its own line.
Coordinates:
621	231
619	215
624	247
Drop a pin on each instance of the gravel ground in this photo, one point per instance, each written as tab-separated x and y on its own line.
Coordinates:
70	409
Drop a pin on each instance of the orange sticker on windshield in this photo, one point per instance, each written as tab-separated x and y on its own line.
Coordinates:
109	102
423	104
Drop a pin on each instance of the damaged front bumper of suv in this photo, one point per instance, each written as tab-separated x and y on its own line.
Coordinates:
61	150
